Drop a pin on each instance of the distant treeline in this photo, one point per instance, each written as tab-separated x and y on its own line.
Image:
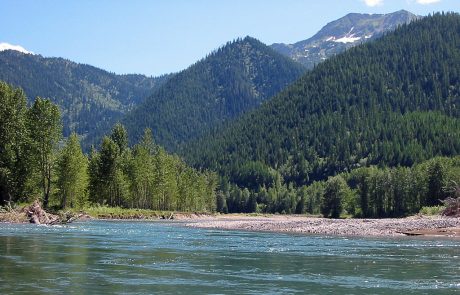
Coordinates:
35	162
363	192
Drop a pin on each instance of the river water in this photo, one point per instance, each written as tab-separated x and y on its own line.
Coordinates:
109	257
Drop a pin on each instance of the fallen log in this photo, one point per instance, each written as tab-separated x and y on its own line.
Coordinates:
38	215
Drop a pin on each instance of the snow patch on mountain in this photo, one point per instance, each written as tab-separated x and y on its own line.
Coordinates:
6	46
347	39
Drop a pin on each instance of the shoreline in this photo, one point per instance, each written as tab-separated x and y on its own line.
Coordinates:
418	225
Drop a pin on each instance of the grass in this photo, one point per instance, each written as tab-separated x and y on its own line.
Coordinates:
122	213
434	210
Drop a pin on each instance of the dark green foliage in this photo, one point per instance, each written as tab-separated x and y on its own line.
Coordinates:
436	182
72	171
232	80
14	138
221	203
45	129
107	180
120	137
253	175
91	100
334	193
391	102
402	191
144	177
368	192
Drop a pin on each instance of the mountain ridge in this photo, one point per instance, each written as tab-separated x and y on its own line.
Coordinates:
389	102
91	99
342	34
229	81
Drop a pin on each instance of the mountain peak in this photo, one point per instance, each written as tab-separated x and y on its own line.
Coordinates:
7	46
343	33
233	79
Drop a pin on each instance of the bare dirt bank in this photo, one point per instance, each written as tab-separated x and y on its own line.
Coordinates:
417	225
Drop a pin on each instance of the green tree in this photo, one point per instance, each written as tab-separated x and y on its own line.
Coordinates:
314	193
102	172
436	175
120	137
334	192
14	171
95	186
72	174
44	124
221	202
107	171
142	173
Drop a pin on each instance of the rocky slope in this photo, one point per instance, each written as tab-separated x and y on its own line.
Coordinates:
341	34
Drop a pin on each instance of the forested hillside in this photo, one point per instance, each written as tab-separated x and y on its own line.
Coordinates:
391	102
230	81
91	100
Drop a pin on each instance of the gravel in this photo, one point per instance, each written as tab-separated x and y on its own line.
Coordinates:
417	225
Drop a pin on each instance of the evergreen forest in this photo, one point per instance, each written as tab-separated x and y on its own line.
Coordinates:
389	103
91	100
230	81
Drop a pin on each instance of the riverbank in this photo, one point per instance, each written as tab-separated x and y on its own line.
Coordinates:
419	225
414	226
33	213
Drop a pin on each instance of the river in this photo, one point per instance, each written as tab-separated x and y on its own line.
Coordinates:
134	257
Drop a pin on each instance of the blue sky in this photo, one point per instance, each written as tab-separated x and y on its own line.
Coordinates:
154	37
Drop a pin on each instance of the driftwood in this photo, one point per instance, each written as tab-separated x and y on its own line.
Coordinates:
452	207
452	203
37	215
171	216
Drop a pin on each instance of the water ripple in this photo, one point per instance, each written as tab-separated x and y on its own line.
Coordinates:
166	258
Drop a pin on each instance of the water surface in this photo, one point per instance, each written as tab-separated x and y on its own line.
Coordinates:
109	257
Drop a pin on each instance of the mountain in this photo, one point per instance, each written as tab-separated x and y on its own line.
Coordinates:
228	82
90	99
395	101
342	34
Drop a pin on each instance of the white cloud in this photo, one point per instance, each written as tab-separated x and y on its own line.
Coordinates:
373	3
7	46
426	2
